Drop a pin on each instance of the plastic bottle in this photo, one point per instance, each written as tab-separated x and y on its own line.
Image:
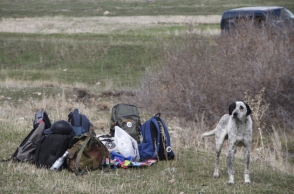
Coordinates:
57	164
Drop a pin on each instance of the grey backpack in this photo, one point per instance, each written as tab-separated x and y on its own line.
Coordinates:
127	117
25	152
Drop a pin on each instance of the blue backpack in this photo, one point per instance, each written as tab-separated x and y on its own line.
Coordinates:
156	140
80	123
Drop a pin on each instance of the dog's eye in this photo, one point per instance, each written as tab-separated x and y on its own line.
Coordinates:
241	107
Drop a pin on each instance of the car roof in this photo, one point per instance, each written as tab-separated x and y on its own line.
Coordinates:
258	8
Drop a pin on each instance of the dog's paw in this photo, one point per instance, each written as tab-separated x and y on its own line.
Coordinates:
230	182
247	179
247	182
216	175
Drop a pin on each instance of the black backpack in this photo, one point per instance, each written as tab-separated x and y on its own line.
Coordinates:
53	144
80	123
127	117
26	150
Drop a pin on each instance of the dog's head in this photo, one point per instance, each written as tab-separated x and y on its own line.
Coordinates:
239	109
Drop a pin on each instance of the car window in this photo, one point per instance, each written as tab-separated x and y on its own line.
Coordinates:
279	14
286	13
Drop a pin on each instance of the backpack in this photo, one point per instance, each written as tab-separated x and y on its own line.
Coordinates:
156	140
86	153
26	150
127	117
80	123
53	144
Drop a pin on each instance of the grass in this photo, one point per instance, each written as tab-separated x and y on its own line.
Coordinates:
68	59
190	172
120	56
47	69
90	8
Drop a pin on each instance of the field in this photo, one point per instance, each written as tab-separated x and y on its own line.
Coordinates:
61	54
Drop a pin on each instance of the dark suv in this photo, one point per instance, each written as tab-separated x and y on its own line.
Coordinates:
274	16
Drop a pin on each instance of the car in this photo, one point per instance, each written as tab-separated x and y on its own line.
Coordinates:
274	16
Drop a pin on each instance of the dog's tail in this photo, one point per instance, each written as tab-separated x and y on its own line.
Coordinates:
208	134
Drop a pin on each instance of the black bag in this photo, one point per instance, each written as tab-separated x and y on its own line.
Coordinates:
53	144
26	150
127	117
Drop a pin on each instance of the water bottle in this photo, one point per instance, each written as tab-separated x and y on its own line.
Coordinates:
59	162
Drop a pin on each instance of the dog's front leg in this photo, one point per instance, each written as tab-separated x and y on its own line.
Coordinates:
247	161
230	163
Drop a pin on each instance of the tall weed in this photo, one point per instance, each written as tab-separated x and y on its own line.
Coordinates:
204	75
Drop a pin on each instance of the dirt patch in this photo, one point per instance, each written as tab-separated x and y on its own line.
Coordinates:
97	25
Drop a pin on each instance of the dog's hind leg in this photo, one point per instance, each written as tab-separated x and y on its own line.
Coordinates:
219	144
247	160
216	172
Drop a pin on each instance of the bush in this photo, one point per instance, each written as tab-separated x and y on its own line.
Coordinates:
204	75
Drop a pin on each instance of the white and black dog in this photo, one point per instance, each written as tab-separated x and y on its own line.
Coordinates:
237	128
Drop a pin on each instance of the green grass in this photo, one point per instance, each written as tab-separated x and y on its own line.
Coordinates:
87	58
121	57
190	172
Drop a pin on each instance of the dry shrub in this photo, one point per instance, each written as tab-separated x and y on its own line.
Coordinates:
203	75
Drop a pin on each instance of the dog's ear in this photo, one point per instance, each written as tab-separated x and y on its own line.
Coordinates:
232	108
249	111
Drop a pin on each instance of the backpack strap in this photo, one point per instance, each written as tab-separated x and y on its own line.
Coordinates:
168	148
153	119
165	129
77	162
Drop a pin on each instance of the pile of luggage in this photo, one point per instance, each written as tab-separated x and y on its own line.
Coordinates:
74	145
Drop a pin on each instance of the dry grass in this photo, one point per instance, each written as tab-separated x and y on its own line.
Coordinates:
213	72
98	25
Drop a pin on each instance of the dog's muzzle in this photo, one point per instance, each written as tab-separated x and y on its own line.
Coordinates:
235	114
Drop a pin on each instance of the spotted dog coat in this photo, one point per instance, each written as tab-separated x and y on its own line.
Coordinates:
237	128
